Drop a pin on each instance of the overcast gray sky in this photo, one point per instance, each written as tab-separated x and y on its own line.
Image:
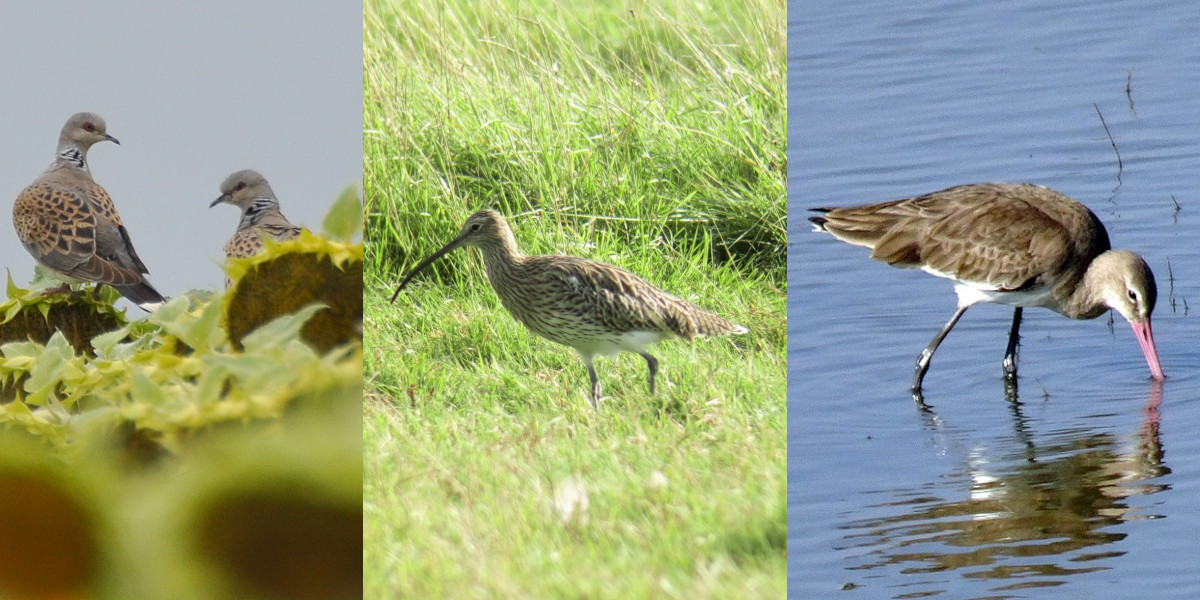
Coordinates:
194	91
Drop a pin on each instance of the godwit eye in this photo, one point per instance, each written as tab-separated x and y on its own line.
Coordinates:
1132	296
475	227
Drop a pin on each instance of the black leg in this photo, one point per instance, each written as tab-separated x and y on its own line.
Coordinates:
595	387
653	364
927	353
1010	355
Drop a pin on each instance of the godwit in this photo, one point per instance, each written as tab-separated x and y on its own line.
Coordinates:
593	307
1009	243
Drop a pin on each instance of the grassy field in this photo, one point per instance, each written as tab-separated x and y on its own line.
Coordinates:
652	138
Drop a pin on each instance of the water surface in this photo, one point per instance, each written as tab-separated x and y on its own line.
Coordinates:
1085	485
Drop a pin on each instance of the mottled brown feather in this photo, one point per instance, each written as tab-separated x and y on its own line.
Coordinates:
1004	235
587	305
249	241
68	222
1012	243
261	216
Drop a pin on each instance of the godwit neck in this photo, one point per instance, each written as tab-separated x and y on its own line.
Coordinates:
1122	281
1117	279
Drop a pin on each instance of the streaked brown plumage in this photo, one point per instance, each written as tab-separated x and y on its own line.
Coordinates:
1011	243
249	191
68	222
590	306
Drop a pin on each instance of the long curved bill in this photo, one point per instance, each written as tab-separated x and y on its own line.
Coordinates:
1145	338
456	242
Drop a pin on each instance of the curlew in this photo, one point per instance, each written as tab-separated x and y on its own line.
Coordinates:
1018	244
593	307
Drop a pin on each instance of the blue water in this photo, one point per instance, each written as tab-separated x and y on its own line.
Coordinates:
1088	485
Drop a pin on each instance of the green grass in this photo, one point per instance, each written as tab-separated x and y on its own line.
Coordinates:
652	139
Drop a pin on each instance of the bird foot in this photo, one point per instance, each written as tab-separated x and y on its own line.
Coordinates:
1010	368
593	401
1010	388
919	398
1010	377
64	288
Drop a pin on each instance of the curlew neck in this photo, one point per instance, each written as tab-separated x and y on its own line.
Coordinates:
500	249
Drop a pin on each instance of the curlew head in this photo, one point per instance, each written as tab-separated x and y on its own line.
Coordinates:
1127	286
486	230
84	129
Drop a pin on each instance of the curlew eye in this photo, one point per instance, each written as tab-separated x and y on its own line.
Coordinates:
475	227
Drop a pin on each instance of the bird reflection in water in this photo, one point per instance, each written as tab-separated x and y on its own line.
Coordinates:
1033	515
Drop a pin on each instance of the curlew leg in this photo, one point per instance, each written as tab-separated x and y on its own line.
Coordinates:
653	364
1010	355
594	399
927	353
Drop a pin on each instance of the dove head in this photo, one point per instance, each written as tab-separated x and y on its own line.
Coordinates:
243	188
84	129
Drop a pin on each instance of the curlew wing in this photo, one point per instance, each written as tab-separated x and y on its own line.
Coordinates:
619	301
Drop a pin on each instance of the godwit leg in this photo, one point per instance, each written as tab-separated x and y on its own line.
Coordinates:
927	353
653	364
1010	355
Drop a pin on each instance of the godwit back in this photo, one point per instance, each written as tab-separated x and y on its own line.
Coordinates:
1009	243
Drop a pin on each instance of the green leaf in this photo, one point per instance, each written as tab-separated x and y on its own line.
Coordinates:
14	308
198	331
253	371
281	330
20	349
48	368
345	219
145	391
205	333
104	343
